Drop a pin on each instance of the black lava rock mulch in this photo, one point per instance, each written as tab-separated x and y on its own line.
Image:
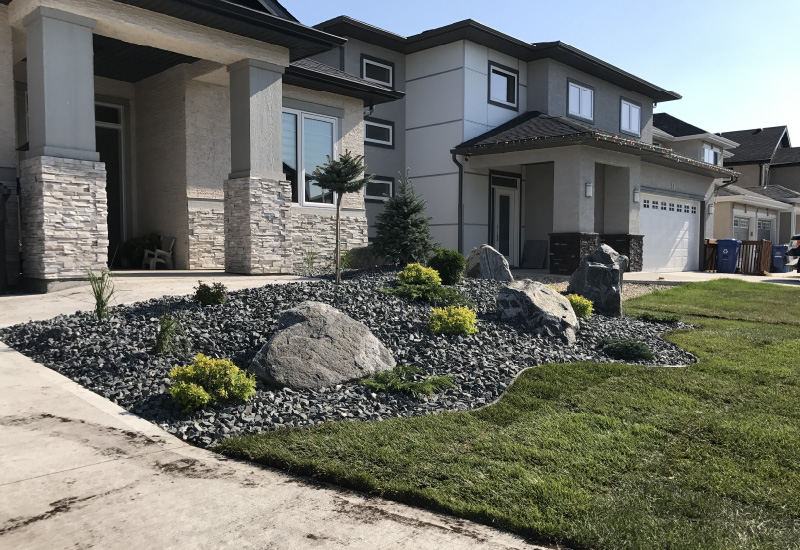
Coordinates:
114	358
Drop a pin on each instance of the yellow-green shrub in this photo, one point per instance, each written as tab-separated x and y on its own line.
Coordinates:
416	274
219	379
452	320
583	307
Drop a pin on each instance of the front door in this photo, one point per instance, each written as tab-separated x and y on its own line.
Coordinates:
506	223
109	137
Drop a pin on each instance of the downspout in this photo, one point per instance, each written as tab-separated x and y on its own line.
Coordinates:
460	204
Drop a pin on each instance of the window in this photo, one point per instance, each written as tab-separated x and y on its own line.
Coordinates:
581	101
630	118
379	132
694	210
711	154
307	141
663	205
503	86
764	230
672	207
379	189
680	208
377	70
646	203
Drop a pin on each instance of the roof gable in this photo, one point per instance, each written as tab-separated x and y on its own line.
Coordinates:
675	126
786	155
757	144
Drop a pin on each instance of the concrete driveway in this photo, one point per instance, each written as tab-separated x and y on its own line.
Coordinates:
77	471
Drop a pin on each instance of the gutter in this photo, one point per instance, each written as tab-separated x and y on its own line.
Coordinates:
460	203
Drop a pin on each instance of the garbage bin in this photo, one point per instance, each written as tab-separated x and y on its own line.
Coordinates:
728	255
778	254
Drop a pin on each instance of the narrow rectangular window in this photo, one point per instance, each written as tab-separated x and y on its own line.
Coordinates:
581	101
380	72
307	140
379	132
379	189
289	141
503	84
317	148
630	117
711	154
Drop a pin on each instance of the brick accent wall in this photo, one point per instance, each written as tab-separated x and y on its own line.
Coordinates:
206	238
257	226
629	245
64	218
318	232
568	249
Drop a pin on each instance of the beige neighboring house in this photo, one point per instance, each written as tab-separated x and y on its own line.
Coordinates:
193	119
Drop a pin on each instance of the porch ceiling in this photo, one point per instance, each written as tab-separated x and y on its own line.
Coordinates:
130	62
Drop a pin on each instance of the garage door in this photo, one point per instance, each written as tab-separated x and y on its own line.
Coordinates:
671	229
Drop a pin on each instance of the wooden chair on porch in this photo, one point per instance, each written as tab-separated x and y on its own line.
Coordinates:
161	255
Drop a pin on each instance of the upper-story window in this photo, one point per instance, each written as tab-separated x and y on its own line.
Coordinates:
630	118
503	86
711	154
377	70
308	140
581	101
379	132
379	189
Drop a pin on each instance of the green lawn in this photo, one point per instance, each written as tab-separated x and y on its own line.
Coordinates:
605	456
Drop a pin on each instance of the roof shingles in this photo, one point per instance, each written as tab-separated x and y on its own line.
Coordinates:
755	145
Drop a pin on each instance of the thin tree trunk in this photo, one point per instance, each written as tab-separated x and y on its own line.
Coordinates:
338	242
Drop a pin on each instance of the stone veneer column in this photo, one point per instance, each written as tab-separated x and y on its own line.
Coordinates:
258	222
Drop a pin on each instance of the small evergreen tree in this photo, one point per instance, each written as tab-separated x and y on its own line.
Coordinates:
341	176
402	233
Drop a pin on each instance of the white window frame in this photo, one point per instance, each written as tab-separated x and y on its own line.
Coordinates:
492	68
716	154
626	125
389	143
389	181
364	62
301	173
579	111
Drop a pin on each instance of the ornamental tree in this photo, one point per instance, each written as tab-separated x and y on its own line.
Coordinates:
345	175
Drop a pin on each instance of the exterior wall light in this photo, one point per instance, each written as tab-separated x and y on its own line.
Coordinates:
636	195
589	188
711	208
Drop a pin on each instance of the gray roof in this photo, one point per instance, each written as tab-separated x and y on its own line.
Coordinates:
312	74
757	144
675	126
774	192
787	155
529	126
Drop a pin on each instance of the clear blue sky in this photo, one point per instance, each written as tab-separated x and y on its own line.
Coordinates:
736	63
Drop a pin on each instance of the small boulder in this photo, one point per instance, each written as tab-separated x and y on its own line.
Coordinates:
538	308
484	262
599	278
318	346
364	257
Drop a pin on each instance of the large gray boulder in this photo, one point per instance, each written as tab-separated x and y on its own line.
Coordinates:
599	278
537	308
484	262
317	346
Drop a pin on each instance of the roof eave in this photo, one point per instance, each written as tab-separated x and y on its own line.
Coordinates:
311	79
756	201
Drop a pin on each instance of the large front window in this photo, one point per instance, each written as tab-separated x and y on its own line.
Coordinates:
308	141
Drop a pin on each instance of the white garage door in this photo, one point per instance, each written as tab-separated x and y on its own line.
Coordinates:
671	229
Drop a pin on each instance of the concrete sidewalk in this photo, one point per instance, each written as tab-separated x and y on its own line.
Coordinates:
77	471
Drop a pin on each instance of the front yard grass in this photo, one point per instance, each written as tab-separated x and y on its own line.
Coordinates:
605	455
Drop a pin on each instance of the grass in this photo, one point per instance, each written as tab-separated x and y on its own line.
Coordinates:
401	380
605	456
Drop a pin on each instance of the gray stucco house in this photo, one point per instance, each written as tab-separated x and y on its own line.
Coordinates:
195	119
541	150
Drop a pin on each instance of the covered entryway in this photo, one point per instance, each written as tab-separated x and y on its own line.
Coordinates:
671	229
505	215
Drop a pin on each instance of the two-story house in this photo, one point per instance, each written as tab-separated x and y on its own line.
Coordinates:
541	150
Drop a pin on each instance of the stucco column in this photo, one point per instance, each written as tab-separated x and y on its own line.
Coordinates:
64	208
8	153
257	201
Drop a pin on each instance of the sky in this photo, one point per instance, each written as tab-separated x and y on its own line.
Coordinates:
736	63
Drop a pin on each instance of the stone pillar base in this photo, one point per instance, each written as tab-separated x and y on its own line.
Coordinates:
258	226
629	245
568	249
64	220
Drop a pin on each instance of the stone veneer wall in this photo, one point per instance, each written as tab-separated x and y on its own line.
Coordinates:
206	237
629	245
568	249
318	232
64	218
258	226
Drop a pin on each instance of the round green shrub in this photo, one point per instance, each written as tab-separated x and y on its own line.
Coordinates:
219	379
210	295
627	350
449	264
583	307
452	320
416	274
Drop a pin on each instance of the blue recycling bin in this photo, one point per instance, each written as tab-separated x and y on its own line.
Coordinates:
728	255
778	254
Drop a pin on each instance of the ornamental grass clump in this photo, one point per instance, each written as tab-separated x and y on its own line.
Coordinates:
171	338
626	350
449	264
583	307
401	380
452	320
102	291
210	380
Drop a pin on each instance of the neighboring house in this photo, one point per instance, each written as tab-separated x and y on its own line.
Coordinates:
184	118
540	150
770	171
